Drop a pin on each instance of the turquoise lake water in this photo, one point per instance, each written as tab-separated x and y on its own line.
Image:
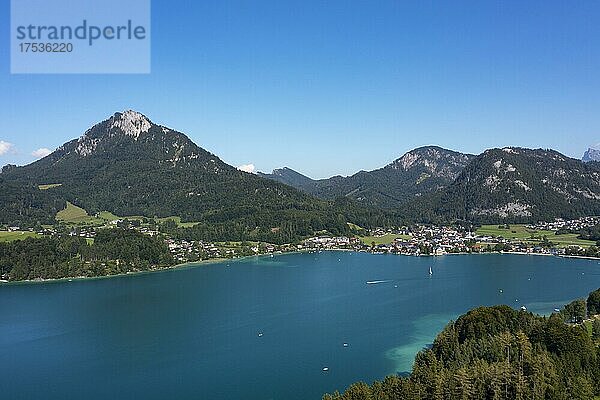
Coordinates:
257	328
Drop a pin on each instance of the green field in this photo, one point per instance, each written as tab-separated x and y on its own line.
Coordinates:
177	221
521	232
354	227
385	239
515	232
570	239
588	327
17	235
72	213
49	186
76	215
108	216
234	245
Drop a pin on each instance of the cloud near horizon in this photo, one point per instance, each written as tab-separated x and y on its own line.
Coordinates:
250	168
5	147
41	152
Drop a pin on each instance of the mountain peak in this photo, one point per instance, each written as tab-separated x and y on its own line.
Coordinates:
283	170
134	131
131	123
516	184
591	154
434	159
128	165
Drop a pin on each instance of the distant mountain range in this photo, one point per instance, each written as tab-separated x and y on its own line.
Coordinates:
418	172
131	166
433	184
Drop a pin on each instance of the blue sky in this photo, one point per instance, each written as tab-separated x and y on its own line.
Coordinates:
332	87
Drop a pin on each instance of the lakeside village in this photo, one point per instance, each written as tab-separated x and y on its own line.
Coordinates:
417	240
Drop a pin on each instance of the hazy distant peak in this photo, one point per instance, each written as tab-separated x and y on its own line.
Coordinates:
283	171
288	176
591	154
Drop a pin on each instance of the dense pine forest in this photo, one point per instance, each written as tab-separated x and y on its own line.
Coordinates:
26	206
113	251
284	225
498	353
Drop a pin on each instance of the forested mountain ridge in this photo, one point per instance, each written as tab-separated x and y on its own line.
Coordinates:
418	172
517	185
130	166
290	177
24	204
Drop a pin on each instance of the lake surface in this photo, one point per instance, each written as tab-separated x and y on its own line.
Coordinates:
257	328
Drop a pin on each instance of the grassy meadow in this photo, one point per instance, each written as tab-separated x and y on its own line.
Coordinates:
385	239
16	235
522	233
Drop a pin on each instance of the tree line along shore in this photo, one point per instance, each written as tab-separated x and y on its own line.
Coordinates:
498	353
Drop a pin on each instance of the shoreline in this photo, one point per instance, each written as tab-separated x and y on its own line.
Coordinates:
202	263
518	253
581	257
190	264
131	273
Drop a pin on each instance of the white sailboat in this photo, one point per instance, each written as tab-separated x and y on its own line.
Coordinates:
430	271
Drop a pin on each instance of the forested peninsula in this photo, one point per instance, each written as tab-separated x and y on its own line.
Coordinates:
498	353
